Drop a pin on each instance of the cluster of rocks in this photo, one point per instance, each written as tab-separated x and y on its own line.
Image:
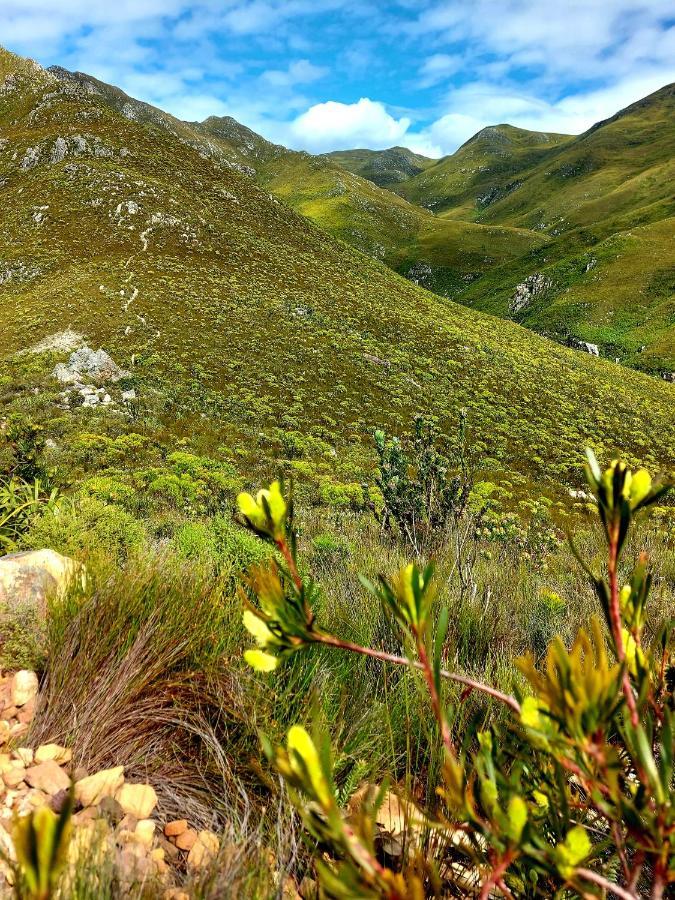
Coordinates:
534	286
420	273
112	816
593	349
85	364
56	151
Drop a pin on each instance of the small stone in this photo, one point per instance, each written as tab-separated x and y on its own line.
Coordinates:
10	712
25	754
186	840
24	687
111	810
47	777
169	848
145	832
173	829
128	822
91	790
5	728
137	799
58	800
59	754
86	816
80	773
14	777
25	714
204	849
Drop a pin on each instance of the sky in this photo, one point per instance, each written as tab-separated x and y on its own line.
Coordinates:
322	75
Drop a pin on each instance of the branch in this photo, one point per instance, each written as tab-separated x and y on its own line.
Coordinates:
333	641
606	885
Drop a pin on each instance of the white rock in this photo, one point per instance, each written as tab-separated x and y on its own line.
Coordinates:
24	687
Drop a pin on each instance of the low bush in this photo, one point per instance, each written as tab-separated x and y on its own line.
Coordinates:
575	793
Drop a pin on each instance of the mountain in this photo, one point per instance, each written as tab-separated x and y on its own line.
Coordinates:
586	218
351	208
382	167
243	323
489	166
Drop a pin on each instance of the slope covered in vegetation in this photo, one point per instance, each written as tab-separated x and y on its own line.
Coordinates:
255	320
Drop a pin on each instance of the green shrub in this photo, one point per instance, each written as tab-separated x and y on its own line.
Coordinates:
342	495
576	794
327	549
87	527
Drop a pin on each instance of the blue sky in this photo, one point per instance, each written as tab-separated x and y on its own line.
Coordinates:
328	74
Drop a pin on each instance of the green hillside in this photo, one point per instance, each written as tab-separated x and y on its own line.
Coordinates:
241	322
442	256
489	166
382	167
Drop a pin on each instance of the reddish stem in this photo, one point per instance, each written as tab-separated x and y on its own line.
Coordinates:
333	641
285	551
606	885
433	693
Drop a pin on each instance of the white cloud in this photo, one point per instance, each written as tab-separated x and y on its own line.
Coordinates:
438	67
336	126
301	71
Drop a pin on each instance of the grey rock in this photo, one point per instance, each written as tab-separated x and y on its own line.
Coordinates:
534	286
96	364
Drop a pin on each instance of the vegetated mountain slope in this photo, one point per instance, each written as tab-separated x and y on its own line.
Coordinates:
617	174
259	321
489	166
434	252
629	318
382	167
369	218
605	201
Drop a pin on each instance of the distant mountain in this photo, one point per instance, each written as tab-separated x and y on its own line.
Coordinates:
490	165
510	206
254	323
382	167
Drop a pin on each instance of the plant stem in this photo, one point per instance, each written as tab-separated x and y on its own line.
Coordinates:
606	885
435	699
615	618
333	641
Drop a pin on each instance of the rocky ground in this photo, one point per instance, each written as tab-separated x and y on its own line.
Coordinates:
111	815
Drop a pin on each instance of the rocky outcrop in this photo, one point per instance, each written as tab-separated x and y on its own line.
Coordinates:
534	286
88	363
28	579
593	349
421	273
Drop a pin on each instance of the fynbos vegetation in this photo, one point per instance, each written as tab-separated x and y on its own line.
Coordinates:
573	789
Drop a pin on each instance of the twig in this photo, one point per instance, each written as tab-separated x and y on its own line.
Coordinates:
606	885
333	641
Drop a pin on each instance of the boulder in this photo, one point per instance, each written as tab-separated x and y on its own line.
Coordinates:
137	799
204	849
55	752
48	777
24	687
29	577
91	790
87	363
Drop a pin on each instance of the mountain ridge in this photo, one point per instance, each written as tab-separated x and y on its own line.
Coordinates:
242	322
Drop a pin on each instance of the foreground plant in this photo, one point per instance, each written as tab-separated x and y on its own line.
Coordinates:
575	794
41	841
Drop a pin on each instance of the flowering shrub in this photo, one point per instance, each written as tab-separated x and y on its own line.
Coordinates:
575	794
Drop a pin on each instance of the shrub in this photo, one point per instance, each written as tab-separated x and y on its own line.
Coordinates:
576	794
87	527
423	489
20	502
